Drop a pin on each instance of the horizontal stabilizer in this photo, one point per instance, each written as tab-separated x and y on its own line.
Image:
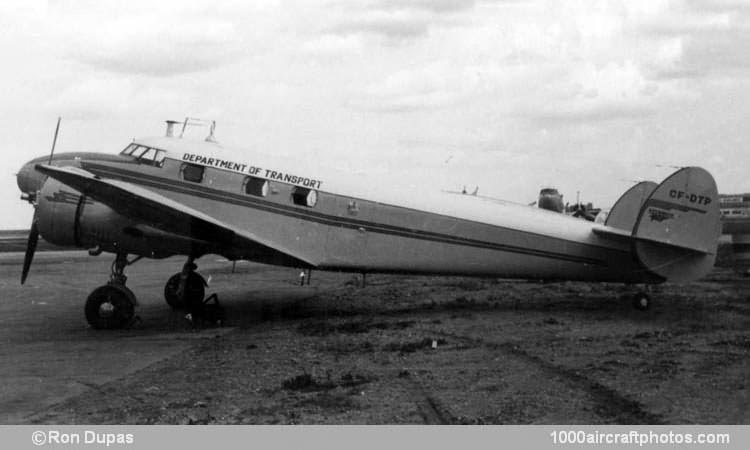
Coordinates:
625	236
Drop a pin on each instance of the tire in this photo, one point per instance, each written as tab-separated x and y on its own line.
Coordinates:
641	301
195	290
110	307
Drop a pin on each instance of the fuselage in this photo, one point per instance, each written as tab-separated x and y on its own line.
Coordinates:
342	222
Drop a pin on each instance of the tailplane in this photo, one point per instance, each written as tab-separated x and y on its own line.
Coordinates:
676	229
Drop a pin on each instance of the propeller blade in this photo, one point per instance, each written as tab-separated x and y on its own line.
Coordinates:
30	249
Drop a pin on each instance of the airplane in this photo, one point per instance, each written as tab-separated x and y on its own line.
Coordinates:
168	195
551	200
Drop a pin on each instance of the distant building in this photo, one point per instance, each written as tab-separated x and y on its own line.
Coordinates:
735	213
735	221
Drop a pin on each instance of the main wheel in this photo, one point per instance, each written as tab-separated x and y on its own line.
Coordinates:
110	306
641	301
195	290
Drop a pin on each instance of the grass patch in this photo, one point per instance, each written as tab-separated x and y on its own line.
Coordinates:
306	383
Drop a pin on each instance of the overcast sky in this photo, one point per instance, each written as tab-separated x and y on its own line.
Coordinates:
510	95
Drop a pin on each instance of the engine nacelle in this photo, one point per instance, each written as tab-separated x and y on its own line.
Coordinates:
67	218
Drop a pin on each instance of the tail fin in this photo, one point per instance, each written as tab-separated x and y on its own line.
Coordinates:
676	230
682	211
624	213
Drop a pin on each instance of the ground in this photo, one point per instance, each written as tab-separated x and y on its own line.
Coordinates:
400	350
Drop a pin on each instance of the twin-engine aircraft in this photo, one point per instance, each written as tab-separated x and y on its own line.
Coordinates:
166	196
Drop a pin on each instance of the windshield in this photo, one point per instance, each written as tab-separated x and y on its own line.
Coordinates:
145	155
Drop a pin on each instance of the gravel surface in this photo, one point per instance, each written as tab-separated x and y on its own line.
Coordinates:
400	350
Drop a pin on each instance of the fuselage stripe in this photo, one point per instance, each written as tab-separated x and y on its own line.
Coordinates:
247	201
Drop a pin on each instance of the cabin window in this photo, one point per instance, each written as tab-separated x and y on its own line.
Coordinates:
256	186
192	172
304	197
353	208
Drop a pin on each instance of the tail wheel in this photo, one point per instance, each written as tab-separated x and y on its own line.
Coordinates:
641	301
110	306
195	290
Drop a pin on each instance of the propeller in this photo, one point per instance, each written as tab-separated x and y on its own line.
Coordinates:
30	249
34	231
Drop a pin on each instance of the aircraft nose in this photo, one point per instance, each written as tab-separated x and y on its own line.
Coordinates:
29	181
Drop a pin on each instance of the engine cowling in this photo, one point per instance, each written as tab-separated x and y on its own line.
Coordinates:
65	217
58	212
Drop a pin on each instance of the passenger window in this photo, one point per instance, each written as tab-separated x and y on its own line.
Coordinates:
192	172
304	197
256	186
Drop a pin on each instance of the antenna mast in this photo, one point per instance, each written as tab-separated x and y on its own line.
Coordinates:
54	141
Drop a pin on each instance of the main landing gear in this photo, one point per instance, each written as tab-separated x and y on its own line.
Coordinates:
112	305
185	289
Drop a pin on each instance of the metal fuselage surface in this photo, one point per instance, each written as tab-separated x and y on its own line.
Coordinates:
364	230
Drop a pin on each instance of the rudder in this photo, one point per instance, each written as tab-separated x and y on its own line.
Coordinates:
678	226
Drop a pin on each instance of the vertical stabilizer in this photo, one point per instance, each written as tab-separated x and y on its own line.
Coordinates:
678	227
624	214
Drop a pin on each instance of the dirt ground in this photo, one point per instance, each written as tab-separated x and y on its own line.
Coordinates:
401	350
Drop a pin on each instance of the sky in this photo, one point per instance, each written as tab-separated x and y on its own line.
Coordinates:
507	95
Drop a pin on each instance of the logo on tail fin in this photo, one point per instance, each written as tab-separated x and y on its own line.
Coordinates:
665	205
659	215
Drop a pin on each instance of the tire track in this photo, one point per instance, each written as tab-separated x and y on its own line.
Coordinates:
429	408
610	405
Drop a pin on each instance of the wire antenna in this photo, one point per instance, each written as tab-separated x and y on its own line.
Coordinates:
54	140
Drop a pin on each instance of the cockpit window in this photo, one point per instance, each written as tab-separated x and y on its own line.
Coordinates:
129	149
149	154
145	155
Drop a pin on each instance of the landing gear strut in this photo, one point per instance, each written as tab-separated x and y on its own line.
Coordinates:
112	305
186	289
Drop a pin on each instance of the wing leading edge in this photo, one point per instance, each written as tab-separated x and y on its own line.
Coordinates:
165	214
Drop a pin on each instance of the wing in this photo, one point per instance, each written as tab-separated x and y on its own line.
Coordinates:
155	210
